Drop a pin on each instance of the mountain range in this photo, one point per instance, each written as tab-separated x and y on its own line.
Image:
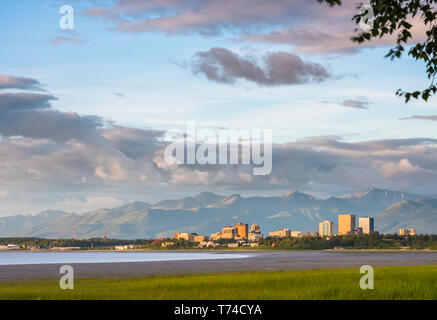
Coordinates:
207	212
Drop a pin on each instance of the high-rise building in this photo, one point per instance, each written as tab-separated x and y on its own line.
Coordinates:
326	228
346	223
228	232
255	228
367	224
255	233
242	230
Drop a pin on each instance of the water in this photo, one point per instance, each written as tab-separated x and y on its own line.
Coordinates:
26	257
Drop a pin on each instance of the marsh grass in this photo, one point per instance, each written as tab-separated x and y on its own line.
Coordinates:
418	282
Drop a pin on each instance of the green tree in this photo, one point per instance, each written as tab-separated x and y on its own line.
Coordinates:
393	17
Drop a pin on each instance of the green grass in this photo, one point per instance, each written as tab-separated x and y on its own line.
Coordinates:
390	283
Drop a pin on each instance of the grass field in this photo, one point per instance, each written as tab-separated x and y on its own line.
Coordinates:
390	283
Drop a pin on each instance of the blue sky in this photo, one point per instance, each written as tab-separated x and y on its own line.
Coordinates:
144	80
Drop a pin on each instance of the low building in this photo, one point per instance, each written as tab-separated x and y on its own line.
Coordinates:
407	232
175	236
234	245
167	244
200	238
281	233
126	247
184	236
255	236
12	246
216	236
207	244
355	231
296	234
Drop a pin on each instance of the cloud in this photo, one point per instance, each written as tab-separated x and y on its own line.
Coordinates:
353	103
58	152
31	115
58	41
51	124
211	17
358	103
24	101
120	95
134	143
310	27
11	82
330	34
273	69
431	117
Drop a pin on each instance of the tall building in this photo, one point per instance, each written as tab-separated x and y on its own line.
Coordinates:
346	223
367	224
326	228
255	228
228	232
242	230
255	233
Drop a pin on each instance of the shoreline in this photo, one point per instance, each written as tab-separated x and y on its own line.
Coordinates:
255	261
222	250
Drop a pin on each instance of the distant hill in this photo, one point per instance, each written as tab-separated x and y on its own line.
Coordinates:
10	226
208	212
418	214
200	200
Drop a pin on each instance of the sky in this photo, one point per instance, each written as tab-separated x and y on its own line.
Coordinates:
83	112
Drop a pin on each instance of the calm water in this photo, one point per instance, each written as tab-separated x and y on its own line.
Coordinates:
26	257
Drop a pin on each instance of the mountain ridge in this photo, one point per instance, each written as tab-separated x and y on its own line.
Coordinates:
207	212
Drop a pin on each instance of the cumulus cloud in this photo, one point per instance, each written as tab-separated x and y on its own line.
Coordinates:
273	69
24	101
431	118
11	82
31	115
53	151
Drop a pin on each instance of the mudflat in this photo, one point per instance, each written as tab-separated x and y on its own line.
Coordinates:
253	261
